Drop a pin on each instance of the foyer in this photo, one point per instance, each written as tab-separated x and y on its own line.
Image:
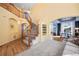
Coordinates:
39	29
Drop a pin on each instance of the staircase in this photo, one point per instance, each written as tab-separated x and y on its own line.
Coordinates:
12	48
34	34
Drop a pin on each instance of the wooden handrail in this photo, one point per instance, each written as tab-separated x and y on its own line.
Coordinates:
11	8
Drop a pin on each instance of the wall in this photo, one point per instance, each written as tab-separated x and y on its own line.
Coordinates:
45	13
7	33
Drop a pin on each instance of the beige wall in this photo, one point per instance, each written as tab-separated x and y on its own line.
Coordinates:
6	32
45	13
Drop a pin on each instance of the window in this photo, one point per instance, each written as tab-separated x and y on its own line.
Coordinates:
58	28
77	24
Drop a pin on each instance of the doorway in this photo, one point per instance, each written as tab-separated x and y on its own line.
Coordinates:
67	32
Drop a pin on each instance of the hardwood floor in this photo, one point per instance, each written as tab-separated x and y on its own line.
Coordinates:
12	48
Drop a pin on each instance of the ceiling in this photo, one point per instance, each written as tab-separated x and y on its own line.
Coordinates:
24	6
